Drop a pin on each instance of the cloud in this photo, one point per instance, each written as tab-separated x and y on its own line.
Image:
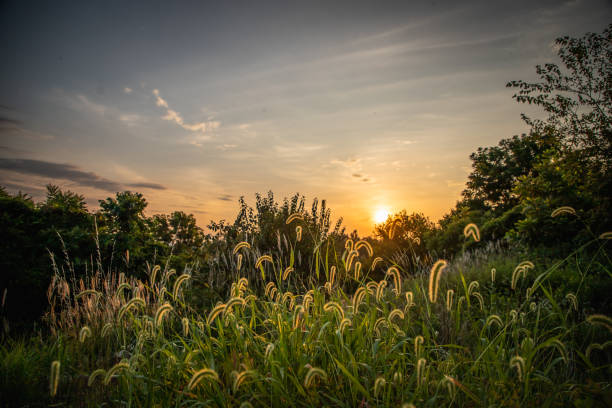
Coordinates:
225	197
354	165
69	172
246	129
128	90
454	183
406	142
226	146
10	127
152	186
6	122
297	150
159	100
174	116
130	119
84	102
351	164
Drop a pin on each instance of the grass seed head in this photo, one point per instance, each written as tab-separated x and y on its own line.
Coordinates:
396	313
205	373
357	274
434	279
418	342
286	272
262	259
312	375
357	298
54	378
563	210
177	284
573	300
364	244
241	245
378	385
449	299
421	364
84	333
600	320
380	290
293	217
161	312
216	311
471	230
95	374
346	322
397	279
334	306
121	366
519	364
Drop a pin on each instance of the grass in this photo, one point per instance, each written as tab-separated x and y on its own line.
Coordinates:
458	335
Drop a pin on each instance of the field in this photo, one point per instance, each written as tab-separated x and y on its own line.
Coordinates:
488	329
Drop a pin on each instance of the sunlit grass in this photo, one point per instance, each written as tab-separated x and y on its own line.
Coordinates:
496	338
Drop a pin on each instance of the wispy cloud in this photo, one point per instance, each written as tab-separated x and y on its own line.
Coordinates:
296	150
130	119
151	186
225	197
83	102
405	142
227	146
11	127
198	127
128	90
159	100
355	167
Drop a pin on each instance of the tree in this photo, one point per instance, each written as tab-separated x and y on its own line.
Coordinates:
125	213
404	227
576	171
577	98
402	239
566	158
497	169
123	228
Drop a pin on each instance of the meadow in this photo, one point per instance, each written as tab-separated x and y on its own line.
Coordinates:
504	302
485	329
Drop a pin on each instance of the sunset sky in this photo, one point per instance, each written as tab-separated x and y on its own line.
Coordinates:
370	105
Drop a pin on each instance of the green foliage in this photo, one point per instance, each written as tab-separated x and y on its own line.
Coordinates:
496	170
565	160
489	343
576	97
402	237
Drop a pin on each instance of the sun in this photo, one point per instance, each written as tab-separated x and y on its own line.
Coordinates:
381	215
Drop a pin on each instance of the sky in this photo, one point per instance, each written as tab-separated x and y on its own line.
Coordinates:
373	106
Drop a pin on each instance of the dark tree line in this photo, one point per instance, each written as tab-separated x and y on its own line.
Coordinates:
61	231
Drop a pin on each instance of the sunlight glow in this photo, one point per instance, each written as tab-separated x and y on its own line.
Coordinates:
381	215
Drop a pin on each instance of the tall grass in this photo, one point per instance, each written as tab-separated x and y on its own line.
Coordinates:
283	338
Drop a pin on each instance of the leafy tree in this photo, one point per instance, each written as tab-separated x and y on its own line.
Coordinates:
576	170
402	239
125	213
577	97
564	160
497	169
124	231
177	236
403	227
